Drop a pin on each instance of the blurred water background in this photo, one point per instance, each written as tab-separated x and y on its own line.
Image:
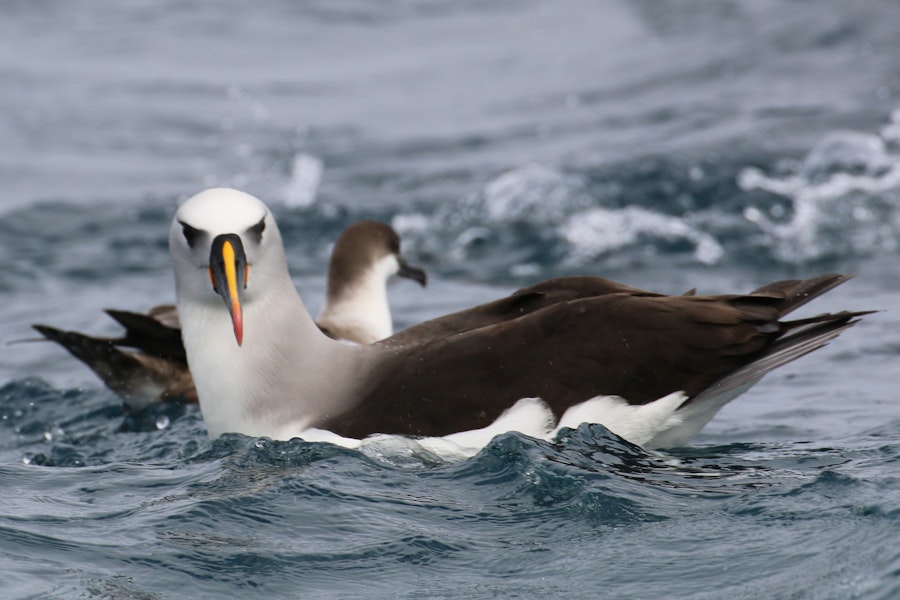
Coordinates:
669	145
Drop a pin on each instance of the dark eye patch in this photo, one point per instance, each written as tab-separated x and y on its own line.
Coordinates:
394	244
191	234
256	231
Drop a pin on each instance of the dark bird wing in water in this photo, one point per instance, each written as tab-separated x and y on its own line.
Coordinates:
140	378
157	333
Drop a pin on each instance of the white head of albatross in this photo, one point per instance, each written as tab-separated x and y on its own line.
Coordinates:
262	366
147	365
272	376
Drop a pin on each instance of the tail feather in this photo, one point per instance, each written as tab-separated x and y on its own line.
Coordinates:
810	335
793	338
794	293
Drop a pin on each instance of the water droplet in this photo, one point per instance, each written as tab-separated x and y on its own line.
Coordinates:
752	214
862	213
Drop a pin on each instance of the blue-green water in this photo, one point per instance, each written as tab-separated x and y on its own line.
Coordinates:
668	145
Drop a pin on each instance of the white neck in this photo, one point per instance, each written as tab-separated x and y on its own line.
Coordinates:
360	311
242	388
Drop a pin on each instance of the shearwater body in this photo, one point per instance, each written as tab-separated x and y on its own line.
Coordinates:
668	145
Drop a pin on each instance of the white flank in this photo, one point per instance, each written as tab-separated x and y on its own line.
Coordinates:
637	423
658	424
530	416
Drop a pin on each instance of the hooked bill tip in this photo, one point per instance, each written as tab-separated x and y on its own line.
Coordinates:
237	319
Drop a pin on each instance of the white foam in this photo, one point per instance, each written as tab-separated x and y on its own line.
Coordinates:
891	131
556	203
532	193
306	175
411	224
846	151
844	198
597	231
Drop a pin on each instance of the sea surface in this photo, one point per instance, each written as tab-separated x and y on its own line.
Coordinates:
669	145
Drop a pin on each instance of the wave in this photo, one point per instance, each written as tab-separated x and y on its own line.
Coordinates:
839	201
843	198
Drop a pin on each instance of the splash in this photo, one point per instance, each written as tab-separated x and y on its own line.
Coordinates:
306	175
600	231
844	196
535	206
533	193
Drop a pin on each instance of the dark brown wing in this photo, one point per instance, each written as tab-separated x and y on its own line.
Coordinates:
139	379
794	293
637	347
632	344
522	302
157	333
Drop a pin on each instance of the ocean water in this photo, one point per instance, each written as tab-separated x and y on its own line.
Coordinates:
670	145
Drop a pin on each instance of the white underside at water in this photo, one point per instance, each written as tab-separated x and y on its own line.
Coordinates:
659	424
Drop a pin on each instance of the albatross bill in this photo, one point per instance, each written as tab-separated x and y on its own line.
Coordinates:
657	367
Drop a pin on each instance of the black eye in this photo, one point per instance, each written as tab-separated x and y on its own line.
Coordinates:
256	231
191	234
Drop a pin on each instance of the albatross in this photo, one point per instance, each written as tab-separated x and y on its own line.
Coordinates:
652	368
148	365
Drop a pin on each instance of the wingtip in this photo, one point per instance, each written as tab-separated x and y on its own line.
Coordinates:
45	330
119	316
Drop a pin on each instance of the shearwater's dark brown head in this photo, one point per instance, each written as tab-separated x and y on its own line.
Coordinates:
363	248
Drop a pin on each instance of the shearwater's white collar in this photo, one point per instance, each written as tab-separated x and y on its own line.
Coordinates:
365	256
361	309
